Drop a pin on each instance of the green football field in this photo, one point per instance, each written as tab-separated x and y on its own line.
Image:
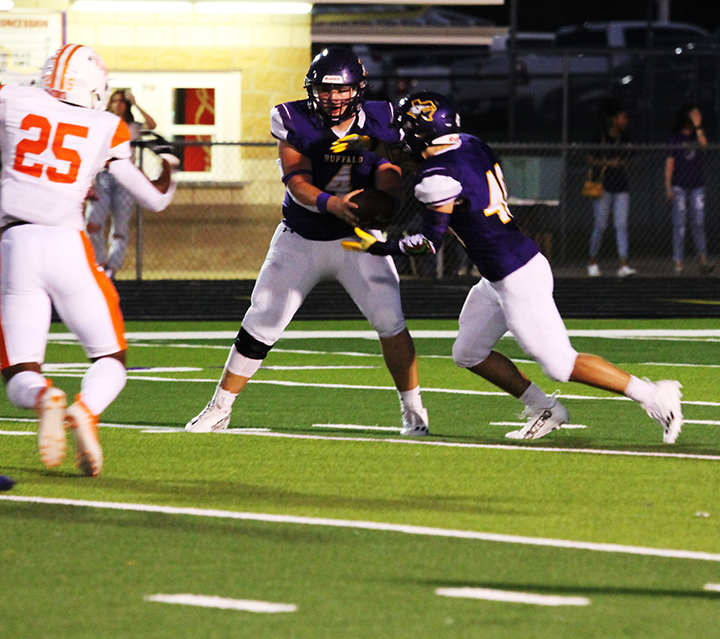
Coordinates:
312	518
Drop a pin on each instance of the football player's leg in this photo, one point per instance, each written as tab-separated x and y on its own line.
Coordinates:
25	319
291	269
97	214
89	305
538	328
374	285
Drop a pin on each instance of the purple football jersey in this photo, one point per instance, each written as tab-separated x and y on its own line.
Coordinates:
469	175
335	173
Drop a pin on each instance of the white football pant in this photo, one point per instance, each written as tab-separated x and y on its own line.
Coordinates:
294	265
523	304
40	264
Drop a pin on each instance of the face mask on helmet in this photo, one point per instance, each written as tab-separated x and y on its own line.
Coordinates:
427	119
76	74
335	84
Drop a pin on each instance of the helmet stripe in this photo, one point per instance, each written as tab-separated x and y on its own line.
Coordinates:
56	63
67	61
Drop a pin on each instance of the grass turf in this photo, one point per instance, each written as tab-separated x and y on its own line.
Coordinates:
80	572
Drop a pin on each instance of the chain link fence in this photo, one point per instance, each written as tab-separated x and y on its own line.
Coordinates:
222	218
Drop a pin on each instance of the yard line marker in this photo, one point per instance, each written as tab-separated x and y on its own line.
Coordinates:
703	422
712	587
355	427
204	601
489	594
17	432
373	525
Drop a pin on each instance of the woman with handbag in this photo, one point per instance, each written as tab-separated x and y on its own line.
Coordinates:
609	167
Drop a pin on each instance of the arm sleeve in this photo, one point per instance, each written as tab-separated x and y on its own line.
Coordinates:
436	189
135	181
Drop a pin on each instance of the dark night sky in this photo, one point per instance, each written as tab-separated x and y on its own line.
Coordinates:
549	15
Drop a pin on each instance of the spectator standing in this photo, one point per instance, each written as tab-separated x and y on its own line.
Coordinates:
108	196
612	161
685	187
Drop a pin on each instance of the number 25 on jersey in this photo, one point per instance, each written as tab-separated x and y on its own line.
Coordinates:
39	145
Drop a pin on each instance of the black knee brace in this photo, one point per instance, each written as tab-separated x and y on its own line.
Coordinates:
251	348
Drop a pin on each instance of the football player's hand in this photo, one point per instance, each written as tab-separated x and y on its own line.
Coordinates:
366	241
353	142
416	245
342	207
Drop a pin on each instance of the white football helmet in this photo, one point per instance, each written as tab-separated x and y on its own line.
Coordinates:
77	74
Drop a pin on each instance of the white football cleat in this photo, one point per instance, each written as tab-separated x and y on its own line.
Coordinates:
666	409
415	423
542	421
211	419
51	406
84	427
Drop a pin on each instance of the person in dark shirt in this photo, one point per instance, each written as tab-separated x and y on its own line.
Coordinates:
318	212
685	185
611	162
461	184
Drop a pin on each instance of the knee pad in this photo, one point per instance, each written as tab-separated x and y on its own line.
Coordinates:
251	348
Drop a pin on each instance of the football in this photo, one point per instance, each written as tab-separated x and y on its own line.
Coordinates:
376	209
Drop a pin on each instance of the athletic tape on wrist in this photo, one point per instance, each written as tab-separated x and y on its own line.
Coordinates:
321	202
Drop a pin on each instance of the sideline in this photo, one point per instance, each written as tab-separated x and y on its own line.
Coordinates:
373	525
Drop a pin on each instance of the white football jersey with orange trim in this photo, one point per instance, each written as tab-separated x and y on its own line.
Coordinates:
51	152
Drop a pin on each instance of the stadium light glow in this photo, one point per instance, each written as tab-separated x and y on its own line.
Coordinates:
131	6
253	7
6	5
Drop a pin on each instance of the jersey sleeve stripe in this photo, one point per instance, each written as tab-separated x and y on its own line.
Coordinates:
109	293
122	134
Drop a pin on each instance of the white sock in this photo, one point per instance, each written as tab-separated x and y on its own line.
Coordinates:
23	388
410	400
102	383
534	398
224	399
640	390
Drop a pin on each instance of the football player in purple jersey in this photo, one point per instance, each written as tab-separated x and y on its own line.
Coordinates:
461	184
317	214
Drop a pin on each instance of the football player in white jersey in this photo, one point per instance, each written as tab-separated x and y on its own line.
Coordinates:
54	139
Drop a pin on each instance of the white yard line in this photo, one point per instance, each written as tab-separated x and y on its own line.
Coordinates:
313	368
712	587
204	601
512	597
266	432
374	525
356	427
565	426
419	334
17	432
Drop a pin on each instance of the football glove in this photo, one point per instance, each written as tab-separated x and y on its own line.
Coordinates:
353	142
416	245
366	241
